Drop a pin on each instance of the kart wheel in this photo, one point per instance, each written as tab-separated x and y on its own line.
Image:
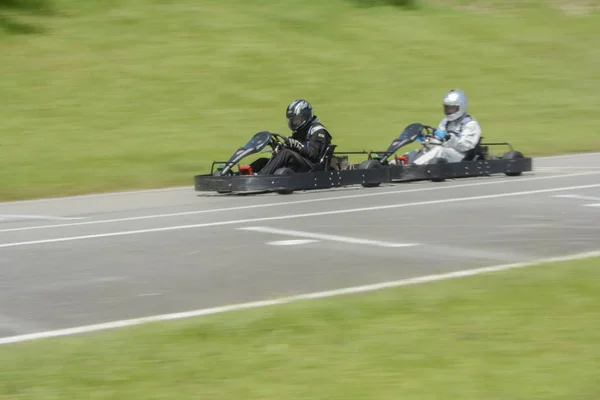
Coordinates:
284	171
435	161
218	173
370	164
512	155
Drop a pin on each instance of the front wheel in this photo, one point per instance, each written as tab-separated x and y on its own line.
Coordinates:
284	171
370	164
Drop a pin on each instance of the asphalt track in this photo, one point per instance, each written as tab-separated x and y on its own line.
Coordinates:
83	260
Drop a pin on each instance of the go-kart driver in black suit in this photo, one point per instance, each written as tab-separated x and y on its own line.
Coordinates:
306	145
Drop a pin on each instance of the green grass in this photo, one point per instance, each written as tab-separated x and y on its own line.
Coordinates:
104	95
521	334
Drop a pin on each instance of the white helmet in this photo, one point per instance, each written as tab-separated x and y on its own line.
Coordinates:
455	104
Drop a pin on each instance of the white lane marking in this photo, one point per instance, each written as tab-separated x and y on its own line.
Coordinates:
94	195
21	216
321	236
577	196
559	168
191	187
580	197
567	155
287	203
292	216
292	299
293	242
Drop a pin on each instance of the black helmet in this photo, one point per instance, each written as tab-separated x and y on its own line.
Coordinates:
299	113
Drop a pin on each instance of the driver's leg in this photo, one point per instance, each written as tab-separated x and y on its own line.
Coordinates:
428	156
447	153
281	159
453	155
286	158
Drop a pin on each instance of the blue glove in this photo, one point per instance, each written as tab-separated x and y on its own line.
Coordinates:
420	139
443	135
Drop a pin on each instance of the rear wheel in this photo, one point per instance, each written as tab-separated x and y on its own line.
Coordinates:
284	171
370	164
512	155
434	161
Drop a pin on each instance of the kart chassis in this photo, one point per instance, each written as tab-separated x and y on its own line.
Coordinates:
334	169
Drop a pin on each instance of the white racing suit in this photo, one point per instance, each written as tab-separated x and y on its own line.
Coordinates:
468	133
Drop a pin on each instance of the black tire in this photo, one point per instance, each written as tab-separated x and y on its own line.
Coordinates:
218	173
284	171
512	155
370	164
434	161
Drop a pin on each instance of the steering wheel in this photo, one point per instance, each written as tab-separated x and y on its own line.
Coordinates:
277	141
429	135
429	131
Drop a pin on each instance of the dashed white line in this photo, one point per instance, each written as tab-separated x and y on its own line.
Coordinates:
577	196
291	242
580	197
322	236
290	299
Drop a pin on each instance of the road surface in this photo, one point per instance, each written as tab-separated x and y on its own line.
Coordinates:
84	260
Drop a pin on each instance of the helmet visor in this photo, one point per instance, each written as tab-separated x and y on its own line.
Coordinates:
296	121
448	110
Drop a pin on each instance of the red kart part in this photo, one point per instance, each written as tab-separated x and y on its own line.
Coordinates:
246	170
401	160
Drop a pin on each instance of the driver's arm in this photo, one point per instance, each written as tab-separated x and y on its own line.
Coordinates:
468	139
315	145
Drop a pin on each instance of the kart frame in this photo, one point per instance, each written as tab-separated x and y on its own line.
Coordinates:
334	170
477	162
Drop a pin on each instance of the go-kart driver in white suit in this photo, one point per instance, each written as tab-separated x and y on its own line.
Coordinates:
458	132
305	147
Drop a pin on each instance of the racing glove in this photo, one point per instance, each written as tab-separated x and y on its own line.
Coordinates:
442	135
295	145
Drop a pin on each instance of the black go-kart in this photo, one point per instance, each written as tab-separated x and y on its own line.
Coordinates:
333	170
477	162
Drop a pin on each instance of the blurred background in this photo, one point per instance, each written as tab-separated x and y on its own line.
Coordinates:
104	94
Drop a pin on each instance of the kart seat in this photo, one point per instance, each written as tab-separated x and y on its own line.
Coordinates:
328	153
479	152
326	159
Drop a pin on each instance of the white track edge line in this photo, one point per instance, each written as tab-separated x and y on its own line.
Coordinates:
292	216
191	187
305	201
291	299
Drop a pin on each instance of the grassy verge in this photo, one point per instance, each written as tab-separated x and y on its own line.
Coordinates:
104	95
527	334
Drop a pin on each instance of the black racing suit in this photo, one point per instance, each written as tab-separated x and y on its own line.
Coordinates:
315	139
